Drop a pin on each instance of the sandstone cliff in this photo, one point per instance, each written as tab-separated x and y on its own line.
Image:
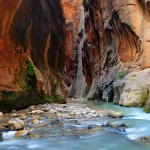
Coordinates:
100	48
115	51
32	48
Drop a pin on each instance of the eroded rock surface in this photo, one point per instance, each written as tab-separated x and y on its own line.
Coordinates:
116	45
32	36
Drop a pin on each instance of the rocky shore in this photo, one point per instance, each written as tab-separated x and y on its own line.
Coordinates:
29	123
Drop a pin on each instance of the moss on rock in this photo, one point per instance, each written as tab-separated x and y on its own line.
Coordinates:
54	99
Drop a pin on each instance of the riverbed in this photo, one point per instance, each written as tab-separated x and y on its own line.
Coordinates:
56	137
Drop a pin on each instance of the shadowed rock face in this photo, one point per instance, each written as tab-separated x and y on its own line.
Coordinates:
39	25
32	30
72	10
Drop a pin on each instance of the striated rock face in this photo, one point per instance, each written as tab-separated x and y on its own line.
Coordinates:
72	10
32	38
117	44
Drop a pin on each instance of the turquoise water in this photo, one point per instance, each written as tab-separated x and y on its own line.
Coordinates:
62	137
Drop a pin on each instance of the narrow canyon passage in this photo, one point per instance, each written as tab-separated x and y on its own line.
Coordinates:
74	74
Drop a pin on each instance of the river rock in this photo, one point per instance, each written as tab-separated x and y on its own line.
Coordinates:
35	121
90	130
92	111
37	112
1	138
103	113
14	115
114	114
21	133
143	139
23	116
15	124
52	112
32	135
1	115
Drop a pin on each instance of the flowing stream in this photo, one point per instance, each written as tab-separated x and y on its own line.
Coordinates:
62	137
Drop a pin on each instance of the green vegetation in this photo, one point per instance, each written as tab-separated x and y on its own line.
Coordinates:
147	110
55	82
54	99
120	74
144	96
11	97
31	75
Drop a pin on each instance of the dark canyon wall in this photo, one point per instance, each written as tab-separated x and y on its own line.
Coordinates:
32	47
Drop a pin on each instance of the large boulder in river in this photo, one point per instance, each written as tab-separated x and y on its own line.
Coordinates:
134	88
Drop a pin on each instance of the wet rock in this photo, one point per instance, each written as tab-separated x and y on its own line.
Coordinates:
114	114
143	139
37	117
1	115
102	113
14	115
1	138
23	116
54	121
92	111
58	115
89	130
52	112
35	121
2	128
106	124
37	112
15	124
21	133
32	135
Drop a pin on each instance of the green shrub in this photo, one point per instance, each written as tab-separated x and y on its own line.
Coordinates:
54	98
120	74
144	96
31	75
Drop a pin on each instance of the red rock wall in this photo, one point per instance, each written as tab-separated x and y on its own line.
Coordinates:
72	11
117	40
32	30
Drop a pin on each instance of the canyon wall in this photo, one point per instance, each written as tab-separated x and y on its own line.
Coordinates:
32	48
100	48
116	50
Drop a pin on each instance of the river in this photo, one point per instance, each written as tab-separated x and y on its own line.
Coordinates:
61	137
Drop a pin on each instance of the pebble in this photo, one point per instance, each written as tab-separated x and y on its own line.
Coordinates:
32	135
114	114
37	112
1	115
21	133
15	124
92	111
35	121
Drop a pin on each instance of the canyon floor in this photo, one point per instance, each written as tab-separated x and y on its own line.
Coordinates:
79	124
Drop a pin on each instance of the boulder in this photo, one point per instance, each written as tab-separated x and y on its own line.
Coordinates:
15	124
35	121
115	114
21	133
1	115
133	89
